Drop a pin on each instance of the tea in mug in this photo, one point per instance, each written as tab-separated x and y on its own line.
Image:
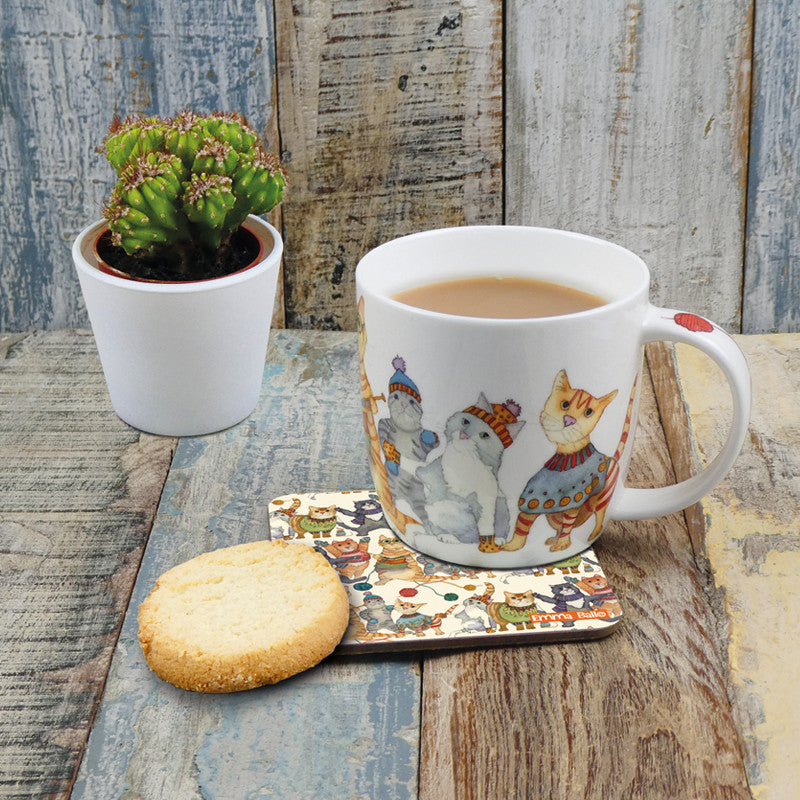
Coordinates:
499	298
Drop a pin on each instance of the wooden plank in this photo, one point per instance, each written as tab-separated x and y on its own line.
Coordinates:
674	421
78	493
628	120
348	728
67	68
772	258
752	543
643	713
391	118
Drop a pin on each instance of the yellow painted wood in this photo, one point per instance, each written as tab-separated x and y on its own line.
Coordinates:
753	546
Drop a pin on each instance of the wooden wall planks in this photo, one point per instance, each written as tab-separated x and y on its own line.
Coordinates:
391	122
772	274
628	119
65	70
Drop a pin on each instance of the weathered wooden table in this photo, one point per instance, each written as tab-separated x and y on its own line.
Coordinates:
694	696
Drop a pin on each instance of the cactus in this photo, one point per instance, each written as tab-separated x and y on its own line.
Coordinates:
186	184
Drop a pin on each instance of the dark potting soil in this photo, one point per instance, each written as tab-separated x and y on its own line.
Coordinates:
240	251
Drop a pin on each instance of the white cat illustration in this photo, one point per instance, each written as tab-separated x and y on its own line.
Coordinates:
474	617
463	499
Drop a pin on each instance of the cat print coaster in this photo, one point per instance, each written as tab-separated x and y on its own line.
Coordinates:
403	600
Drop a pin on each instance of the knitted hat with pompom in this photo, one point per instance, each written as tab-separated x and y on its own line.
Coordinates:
400	382
501	419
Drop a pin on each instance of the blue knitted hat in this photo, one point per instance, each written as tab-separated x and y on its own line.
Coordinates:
400	382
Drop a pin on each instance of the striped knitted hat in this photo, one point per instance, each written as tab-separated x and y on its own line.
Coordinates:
499	419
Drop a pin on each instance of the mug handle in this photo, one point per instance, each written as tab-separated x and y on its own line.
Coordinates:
662	324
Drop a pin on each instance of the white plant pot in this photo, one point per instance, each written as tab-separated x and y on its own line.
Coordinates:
182	359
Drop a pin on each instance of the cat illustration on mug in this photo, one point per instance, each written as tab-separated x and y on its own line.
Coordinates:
405	442
456	494
463	499
578	480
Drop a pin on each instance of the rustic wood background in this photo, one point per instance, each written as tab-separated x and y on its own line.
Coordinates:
671	128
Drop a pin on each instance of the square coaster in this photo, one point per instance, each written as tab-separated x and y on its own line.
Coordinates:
401	599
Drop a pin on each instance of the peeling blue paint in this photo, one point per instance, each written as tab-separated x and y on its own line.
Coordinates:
772	253
347	728
391	770
65	70
188	451
309	737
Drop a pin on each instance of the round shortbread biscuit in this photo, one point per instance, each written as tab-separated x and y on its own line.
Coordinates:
242	617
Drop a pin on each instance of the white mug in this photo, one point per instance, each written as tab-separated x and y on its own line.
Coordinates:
505	442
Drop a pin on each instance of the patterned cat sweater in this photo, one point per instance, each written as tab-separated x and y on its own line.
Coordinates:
565	482
417	621
516	614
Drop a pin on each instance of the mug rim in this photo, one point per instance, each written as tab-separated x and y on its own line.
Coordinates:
365	271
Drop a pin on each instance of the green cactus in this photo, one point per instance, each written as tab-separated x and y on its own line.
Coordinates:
186	184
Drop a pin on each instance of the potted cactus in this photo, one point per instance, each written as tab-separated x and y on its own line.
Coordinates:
179	278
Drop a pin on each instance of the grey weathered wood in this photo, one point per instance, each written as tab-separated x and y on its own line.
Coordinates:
772	272
643	713
348	728
672	410
628	120
66	69
78	493
391	121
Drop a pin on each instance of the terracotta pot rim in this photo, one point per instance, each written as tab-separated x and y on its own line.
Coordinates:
87	263
105	267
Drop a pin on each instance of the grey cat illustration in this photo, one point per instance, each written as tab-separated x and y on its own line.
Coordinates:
463	500
404	440
474	617
376	614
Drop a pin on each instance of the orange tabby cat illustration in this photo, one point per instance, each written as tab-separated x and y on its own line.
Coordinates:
515	610
319	521
601	595
396	562
578	480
